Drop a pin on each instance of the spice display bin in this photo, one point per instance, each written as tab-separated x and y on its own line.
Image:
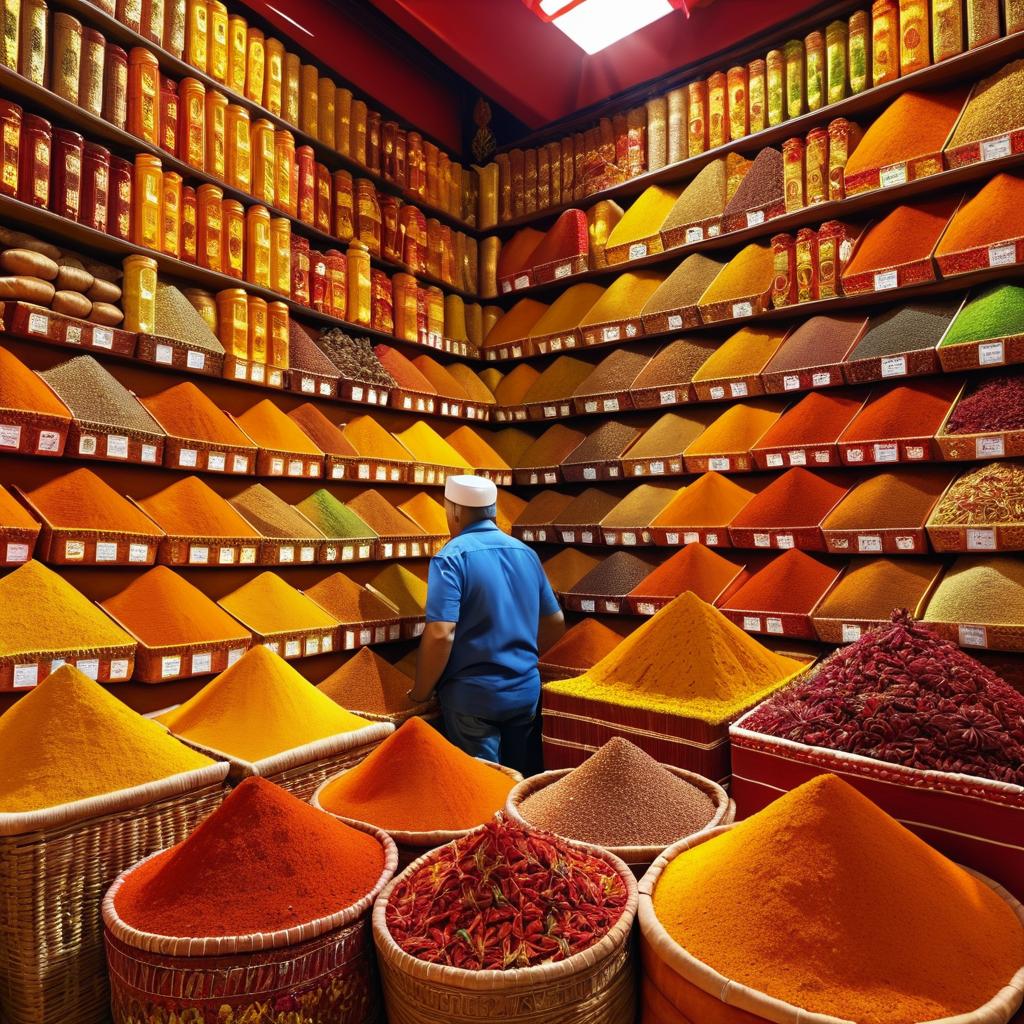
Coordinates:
754	217
887	451
578	533
305	382
429	473
739	308
806	538
991	444
108	443
351	549
184	661
981	635
511	350
377	470
185	550
902	275
413	401
501	477
52	975
535	533
995	147
408	546
325	966
681	318
606	469
671	465
24	320
988	352
536	475
771	623
626	536
75	546
892	175
720	462
902	540
341	467
818	456
560	341
33	433
555	409
194	454
17	544
687	234
296	551
298	643
179	355
272	462
596	604
808	378
25	669
606	402
1006	253
254	373
917	363
680	536
726	389
559	270
353	635
969	819
649	605
512	414
1003	536
412	627
659	397
368	394
612	331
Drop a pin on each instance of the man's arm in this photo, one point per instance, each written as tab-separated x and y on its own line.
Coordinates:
435	649
549	629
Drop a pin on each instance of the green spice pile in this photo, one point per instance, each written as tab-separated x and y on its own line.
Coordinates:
620	796
177	318
332	518
616	576
273	516
997	312
355	358
984	496
504	897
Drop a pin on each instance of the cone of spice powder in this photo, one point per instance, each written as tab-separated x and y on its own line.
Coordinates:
920	407
588	508
870	589
994	107
471	383
184	411
669	436
268	606
368	685
702	201
349	603
674	304
542	509
333	519
638	232
616	576
816	419
565	569
614	374
427	514
177	319
915	124
403	370
996	404
623	299
402	588
273	517
517	254
426	445
737	430
639	507
712	500
66	714
567	312
606	444
212	884
551	448
14	516
892	499
372	441
762	188
994	214
792	584
511	443
798	498
694	568
749	273
822	341
581	646
988	591
516	324
23	390
464	792
672	368
744	354
322	432
911	328
559	380
509	507
381	515
190	508
306	356
513	387
860	966
162	609
619	797
996	312
41	613
475	450
440	379
354	358
566	241
271	429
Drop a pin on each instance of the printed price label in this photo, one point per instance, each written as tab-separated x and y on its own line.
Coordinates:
742	309
202	663
886	279
198	554
286	553
292	648
307	385
17	553
905	543
981	540
25	676
869	542
312	645
694	234
854	454
188	457
590	406
195	360
762	540
234	654
629	539
773	625
821	380
638	250
991	353
117	446
10	435
589	473
990	447
973	636
138	553
752	623
720	463
295	467
102	337
774	459
550	476
739	389
147	453
611	333
886	452
850	632
646	608
657	468
170	666
1002	255
73	335
798	458
241	370
611	405
562	270
894	366
106	551
587	606
995	149
276	467
74	550
791	382
587	537
612	607
754	217
822	457
675	322
119	668
89	667
522	281
38	323
784	541
717	393
226	556
894	174
667	397
49	441
164	354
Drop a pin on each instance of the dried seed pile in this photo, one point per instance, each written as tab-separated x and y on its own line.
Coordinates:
685	285
620	796
354	357
986	495
893	499
996	106
504	897
989	591
703	198
177	318
273	516
762	185
608	442
903	694
305	355
873	587
675	364
909	328
820	341
618	574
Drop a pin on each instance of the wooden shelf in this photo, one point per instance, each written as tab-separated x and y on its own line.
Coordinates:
114	30
963	67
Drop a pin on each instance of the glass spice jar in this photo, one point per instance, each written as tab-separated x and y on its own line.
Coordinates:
359	283
119	215
337	283
192	123
147	187
382	316
388	139
357	137
793	173
784	267
95	186
697	117
189	224
216	133
291	89
422	331
368	221
264	172
35	16
218	55
815	70
836	76
433	185
435	315
90	81
255	65
300	270
67	173
343	120
433	248
280	255
233	322
413	228
737	102
233	237
115	87
403	301
416	176
305	175
144	95
153	17
309	100
172	214
317	281
284	167
239	147
858	51
390	238
277	335
373	141
982	22
885	42
915	49
757	91
323	199
34	166
775	86
10	19
169	115
138	294
796	78
816	167
238	37
843	137
197	43
210	227
401	166
326	90
256	312
344	201
806	265
66	64
204	304
948	29
10	146
129	13
257	246
175	27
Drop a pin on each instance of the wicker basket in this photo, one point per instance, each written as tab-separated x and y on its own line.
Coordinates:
699	992
637	858
317	973
55	866
412	845
596	986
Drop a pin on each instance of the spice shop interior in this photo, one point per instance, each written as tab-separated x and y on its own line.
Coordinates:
511	510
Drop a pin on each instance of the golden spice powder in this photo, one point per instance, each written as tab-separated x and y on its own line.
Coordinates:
10	17
32	47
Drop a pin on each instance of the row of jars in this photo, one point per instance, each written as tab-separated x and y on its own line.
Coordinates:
81	67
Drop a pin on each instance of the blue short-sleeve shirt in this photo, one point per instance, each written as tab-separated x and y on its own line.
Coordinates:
494	588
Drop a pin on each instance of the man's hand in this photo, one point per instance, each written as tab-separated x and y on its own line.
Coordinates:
435	649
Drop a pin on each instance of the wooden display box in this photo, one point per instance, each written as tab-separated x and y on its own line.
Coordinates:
901	540
1007	253
992	444
919	363
33	433
431	473
995	147
740	308
17	544
579	533
627	252
516	282
191	453
60	546
1009	637
534	534
379	471
296	465
536	475
185	661
727	389
559	270
350	549
558	342
295	551
626	536
666	465
659	397
412	546
817	456
806	538
254	373
341	467
512	350
893	175
607	469
808	378
772	623
754	217
179	355
1007	536
26	669
319	384
887	451
613	331
603	403
649	605
352	635
512	414
298	643
680	536
688	234
193	552
24	320
414	401
107	443
682	318
722	462
371	394
975	355
596	604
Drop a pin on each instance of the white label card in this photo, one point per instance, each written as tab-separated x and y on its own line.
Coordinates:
850	633
10	435
117	446
991	353
675	322
973	636
638	250
990	447
1002	255
995	149
886	279
740	309
755	217
981	540
894	366
894	174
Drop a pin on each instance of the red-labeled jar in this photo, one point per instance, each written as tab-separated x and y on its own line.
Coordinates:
318	282
34	161
67	173
115	87
10	146
189	224
413	230
306	184
390	239
388	136
337	286
322	207
300	270
382	316
233	238
400	164
367	216
415	164
119	216
344	201
95	186
144	95
169	114
373	141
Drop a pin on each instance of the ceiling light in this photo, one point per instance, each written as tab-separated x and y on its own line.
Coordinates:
594	25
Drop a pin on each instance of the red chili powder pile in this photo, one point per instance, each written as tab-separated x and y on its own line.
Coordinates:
907	234
263	861
793	582
582	646
407	377
995	214
908	410
386	789
797	498
818	418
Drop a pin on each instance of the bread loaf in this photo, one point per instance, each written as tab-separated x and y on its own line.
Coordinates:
105	314
26	289
74	279
104	291
71	304
27	263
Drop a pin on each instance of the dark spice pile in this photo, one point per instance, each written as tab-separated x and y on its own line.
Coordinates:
685	285
761	186
504	897
995	404
304	354
542	508
177	318
820	341
615	576
620	796
905	695
615	373
355	358
587	508
273	516
608	442
909	328
675	363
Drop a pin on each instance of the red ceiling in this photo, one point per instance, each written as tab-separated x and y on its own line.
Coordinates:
539	75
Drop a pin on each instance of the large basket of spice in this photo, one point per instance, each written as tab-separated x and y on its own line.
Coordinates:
383	790
819	909
298	891
58	860
508	924
621	800
928	733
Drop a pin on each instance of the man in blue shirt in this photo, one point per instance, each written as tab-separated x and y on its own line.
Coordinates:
490	609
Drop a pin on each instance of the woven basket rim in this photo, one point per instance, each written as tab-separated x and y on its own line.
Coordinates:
520	977
1000	1009
329	746
428	840
256	942
62	815
629	854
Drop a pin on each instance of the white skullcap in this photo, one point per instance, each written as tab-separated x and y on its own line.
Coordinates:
470	491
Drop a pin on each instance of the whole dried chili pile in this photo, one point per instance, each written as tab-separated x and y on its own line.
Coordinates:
505	897
905	695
